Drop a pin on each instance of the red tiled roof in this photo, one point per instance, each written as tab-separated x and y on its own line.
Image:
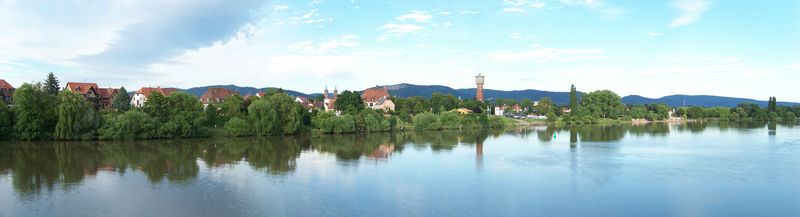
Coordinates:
374	94
146	91
215	93
80	88
5	85
107	92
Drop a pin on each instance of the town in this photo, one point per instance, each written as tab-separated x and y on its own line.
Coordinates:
82	110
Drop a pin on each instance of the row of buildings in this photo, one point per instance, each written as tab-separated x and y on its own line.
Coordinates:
377	98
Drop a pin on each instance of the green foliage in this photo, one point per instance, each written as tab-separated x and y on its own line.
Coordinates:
573	98
233	107
476	106
157	106
122	101
349	102
427	121
211	118
236	127
443	102
545	106
51	85
788	117
276	114
603	104
330	123
130	125
450	121
76	118
495	122
6	121
35	116
551	117
184	117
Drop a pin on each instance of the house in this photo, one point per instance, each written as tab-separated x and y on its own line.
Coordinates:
307	103
517	108
6	92
99	98
377	98
140	97
216	95
106	97
501	110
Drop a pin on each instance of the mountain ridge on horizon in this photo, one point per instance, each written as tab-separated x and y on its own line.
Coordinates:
405	90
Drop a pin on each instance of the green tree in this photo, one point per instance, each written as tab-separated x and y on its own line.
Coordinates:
443	102
122	100
349	102
35	113
427	121
157	107
264	117
51	84
130	125
72	109
232	107
236	127
573	98
544	106
603	104
6	121
211	116
184	116
450	120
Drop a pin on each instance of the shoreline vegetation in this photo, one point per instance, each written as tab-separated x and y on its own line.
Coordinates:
41	111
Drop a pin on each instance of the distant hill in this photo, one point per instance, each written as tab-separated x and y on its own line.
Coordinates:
244	91
699	100
408	90
561	98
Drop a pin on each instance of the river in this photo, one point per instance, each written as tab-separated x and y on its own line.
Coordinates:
689	169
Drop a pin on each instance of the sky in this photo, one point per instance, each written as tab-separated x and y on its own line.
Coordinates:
652	48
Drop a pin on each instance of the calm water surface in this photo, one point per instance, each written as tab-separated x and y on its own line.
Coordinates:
697	169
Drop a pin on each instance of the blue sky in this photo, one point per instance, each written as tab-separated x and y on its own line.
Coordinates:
651	48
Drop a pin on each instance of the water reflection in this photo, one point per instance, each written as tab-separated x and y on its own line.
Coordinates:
46	166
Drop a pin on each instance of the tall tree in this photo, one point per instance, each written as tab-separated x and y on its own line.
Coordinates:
573	98
122	101
6	121
349	102
603	104
544	106
51	84
35	113
71	110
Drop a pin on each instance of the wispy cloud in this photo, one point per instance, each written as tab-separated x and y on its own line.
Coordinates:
598	6
401	28
539	54
690	11
519	5
513	10
418	16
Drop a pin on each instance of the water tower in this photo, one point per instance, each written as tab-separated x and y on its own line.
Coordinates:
479	82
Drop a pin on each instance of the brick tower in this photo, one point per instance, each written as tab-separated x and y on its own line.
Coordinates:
479	82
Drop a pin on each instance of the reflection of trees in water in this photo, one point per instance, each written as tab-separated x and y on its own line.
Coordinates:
650	129
47	165
600	133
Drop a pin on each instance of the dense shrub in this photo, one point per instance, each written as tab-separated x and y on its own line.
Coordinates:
427	121
130	125
237	127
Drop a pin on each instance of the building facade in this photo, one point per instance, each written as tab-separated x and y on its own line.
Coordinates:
101	98
216	95
377	98
6	92
140	97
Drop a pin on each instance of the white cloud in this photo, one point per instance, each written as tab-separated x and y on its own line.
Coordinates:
690	11
401	29
280	7
521	3
513	10
418	16
598	6
547	54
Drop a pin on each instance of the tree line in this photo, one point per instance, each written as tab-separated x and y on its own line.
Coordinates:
42	111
